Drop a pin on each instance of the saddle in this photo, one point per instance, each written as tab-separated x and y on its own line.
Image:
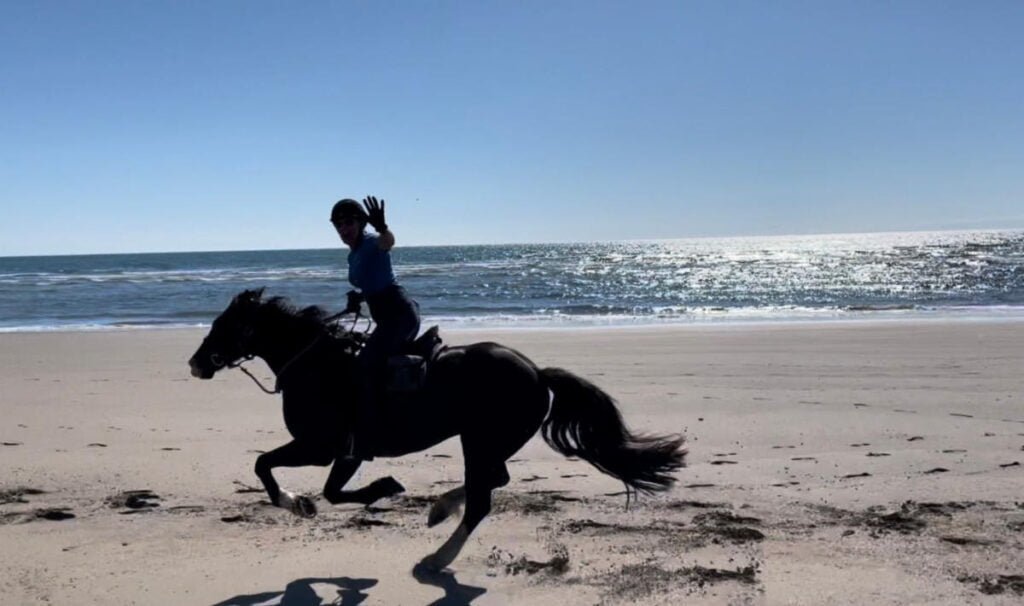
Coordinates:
407	372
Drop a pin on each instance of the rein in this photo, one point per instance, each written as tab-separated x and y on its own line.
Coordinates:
277	381
238	365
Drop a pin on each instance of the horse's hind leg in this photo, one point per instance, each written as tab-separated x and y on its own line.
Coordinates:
446	505
480	481
450	502
478	505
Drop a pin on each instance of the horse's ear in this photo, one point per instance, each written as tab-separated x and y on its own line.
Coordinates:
250	296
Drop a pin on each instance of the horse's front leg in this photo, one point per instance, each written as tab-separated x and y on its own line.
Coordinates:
292	454
343	471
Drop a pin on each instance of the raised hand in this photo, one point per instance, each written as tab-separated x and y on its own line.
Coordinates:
375	211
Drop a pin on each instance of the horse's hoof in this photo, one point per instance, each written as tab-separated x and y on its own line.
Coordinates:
389	486
300	505
439	512
304	507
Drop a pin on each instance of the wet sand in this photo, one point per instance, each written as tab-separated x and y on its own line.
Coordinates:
831	463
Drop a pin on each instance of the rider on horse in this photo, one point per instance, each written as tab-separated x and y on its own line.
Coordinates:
369	270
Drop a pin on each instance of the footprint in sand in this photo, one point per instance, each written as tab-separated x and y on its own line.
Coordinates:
362	522
914	438
96	445
187	509
17	495
860	445
695	505
558	495
170	448
513	565
804	459
723	517
1014	464
909	412
965	541
441	456
12	443
699	486
723	462
726	525
878	454
936	470
995	584
245	488
134	500
953	451
960	414
55	514
533	478
855	475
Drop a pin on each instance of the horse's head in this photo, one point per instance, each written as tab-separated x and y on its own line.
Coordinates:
230	337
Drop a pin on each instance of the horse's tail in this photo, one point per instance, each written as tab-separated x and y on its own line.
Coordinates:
584	422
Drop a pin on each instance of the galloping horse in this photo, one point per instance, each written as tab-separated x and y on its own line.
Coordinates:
492	397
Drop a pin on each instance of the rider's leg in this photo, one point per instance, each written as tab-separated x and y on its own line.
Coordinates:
398	323
372	365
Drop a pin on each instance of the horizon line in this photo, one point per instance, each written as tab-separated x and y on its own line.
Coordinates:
535	243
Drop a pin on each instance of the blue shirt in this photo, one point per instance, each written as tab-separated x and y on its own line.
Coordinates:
369	267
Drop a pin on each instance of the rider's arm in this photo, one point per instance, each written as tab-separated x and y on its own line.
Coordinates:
386	240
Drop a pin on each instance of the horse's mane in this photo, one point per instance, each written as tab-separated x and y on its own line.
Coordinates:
279	311
314	315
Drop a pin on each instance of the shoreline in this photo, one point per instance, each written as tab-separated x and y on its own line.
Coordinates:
1008	314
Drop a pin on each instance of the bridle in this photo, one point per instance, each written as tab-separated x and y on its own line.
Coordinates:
217	361
277	383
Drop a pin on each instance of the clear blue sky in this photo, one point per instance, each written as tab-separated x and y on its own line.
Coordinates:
157	126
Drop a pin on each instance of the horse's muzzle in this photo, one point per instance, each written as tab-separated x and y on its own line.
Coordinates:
198	372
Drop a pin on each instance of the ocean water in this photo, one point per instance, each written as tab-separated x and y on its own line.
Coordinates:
970	273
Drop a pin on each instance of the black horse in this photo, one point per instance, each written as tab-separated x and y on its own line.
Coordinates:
491	396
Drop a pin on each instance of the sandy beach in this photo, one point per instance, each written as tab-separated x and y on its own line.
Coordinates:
830	463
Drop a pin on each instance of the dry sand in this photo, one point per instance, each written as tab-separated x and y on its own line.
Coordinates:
841	463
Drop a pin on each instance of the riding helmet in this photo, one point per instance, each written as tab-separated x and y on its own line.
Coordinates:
348	208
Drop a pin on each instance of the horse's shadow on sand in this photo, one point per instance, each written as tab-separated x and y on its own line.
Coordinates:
300	592
351	592
455	593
